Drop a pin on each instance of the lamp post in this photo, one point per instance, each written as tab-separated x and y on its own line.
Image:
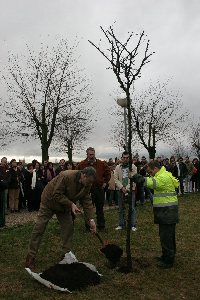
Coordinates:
122	101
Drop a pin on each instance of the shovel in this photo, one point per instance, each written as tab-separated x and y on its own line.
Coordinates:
111	251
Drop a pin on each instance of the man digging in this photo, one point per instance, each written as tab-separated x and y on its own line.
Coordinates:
59	197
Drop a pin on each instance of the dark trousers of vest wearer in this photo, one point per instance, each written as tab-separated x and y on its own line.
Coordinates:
98	199
66	225
168	242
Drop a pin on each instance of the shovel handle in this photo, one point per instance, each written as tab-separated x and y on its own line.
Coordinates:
100	239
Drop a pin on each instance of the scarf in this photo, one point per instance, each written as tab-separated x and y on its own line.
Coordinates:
33	180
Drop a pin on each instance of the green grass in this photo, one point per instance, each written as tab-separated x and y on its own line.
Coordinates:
146	282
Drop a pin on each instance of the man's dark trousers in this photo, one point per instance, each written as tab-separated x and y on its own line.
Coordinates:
98	199
168	242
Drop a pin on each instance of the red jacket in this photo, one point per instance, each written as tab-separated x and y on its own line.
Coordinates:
102	170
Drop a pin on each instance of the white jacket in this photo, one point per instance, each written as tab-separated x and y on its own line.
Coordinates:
118	177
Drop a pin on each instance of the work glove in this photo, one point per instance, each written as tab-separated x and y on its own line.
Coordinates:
139	179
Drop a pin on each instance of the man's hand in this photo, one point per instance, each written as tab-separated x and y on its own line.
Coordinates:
75	209
139	179
124	190
104	185
92	225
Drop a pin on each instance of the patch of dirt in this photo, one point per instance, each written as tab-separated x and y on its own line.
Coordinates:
24	216
19	218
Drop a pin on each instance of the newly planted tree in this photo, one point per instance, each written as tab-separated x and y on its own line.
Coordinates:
126	60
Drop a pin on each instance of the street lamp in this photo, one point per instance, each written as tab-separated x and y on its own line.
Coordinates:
122	101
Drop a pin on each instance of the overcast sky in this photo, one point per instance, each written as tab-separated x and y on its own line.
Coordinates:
172	26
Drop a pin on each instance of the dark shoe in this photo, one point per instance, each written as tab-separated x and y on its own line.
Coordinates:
30	262
101	229
110	265
165	266
159	258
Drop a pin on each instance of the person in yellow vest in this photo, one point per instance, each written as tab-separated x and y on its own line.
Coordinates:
165	208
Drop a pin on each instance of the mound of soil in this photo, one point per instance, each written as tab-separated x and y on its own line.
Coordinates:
112	252
75	276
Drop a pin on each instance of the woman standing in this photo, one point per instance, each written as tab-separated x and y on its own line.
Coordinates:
29	186
14	179
39	186
49	172
69	165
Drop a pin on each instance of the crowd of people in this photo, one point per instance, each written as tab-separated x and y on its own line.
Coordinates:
22	185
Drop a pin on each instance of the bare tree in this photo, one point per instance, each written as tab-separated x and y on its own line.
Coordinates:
42	86
158	115
126	60
195	137
74	129
179	148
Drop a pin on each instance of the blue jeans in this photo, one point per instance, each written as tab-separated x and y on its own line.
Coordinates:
122	210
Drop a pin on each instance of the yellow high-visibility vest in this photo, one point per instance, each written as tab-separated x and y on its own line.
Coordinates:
164	185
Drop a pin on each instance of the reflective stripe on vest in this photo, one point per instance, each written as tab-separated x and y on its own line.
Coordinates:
165	195
154	183
165	204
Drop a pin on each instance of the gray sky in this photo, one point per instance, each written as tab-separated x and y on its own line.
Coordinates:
173	27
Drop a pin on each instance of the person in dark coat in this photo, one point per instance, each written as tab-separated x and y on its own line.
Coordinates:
14	179
98	187
29	188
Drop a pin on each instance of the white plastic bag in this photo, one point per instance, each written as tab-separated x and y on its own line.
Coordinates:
51	285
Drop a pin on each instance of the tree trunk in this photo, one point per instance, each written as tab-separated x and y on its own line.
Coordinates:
69	150
128	235
45	152
152	152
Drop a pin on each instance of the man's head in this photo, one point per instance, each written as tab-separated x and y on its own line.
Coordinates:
153	167
91	154
125	158
143	160
4	161
180	160
45	162
20	165
62	162
13	163
88	175
30	167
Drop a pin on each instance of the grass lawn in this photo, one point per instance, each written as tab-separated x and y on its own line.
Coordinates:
146	282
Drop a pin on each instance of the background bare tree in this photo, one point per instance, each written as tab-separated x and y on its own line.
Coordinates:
179	148
195	137
42	87
74	129
158	115
126	60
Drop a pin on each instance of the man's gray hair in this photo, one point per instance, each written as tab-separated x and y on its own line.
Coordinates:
89	171
90	149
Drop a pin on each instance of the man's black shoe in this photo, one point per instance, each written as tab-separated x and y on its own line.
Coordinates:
165	266
159	258
102	229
